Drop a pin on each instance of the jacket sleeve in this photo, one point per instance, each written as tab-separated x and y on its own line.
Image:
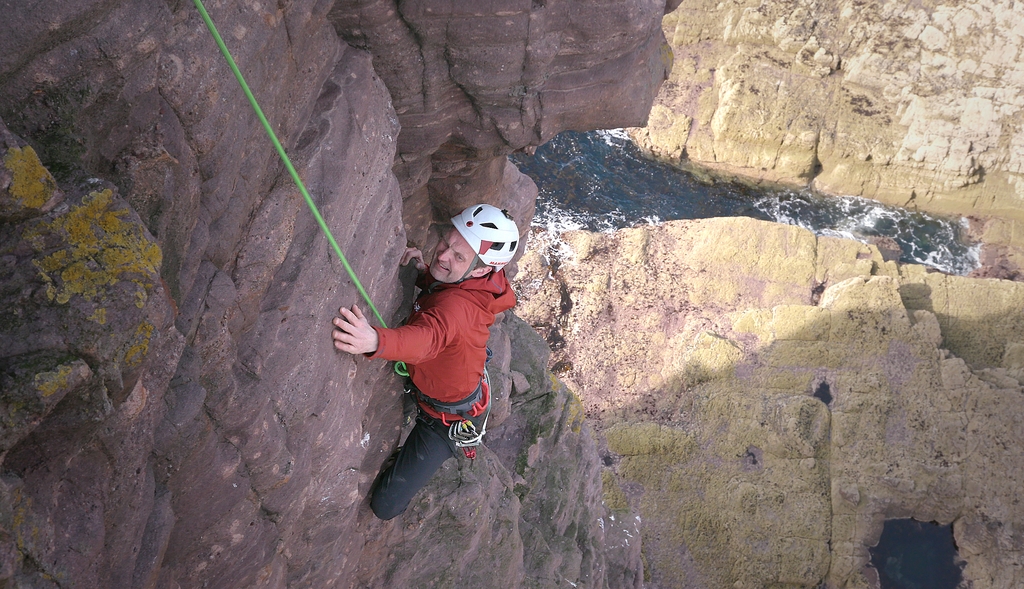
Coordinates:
424	337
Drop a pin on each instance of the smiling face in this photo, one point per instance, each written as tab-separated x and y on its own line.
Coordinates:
453	257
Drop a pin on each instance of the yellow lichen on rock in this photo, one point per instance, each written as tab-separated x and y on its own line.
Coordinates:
839	259
101	249
32	185
574	414
48	383
139	345
60	379
99	316
614	499
754	321
977	317
650	438
710	357
800	322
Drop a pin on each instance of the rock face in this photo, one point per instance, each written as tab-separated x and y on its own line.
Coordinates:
472	83
911	103
87	324
767	398
173	412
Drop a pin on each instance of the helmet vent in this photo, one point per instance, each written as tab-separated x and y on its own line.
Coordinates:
513	246
491	225
477	211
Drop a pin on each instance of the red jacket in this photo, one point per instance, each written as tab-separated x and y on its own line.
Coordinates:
444	342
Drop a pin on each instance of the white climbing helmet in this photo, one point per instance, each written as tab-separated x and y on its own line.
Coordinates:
491	233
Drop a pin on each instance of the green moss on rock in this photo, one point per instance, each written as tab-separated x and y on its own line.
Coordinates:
650	439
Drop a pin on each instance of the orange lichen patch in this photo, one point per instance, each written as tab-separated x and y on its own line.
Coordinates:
139	346
102	249
32	185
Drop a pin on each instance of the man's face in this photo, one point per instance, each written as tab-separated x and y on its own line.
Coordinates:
453	257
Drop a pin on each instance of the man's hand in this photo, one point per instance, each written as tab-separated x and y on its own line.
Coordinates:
413	254
353	333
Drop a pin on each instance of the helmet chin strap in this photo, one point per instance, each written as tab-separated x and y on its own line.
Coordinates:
472	266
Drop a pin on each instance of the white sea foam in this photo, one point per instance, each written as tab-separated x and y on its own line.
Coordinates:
555	220
924	239
614	137
652	220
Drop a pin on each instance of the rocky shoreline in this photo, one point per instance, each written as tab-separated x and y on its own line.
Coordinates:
915	104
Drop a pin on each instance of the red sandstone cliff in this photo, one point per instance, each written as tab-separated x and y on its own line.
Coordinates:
173	414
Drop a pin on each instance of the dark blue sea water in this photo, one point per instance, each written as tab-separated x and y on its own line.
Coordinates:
601	181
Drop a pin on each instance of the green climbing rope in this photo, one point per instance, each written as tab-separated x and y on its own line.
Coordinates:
400	366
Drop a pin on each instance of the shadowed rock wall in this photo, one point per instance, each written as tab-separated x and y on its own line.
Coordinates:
173	412
211	475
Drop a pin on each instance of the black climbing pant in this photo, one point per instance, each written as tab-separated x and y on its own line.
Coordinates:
424	451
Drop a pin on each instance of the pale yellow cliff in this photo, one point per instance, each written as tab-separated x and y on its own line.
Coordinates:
916	104
705	352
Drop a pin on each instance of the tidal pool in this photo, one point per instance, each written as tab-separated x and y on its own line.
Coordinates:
917	555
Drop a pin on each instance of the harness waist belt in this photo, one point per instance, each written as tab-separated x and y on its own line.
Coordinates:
473	405
455	407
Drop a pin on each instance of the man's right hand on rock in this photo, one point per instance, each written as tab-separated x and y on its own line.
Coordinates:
413	254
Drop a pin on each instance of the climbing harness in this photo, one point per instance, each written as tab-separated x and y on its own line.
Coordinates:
460	417
400	367
472	406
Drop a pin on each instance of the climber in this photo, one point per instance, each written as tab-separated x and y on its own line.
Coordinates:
444	344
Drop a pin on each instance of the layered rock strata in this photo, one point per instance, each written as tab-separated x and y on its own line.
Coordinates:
767	398
912	103
174	413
